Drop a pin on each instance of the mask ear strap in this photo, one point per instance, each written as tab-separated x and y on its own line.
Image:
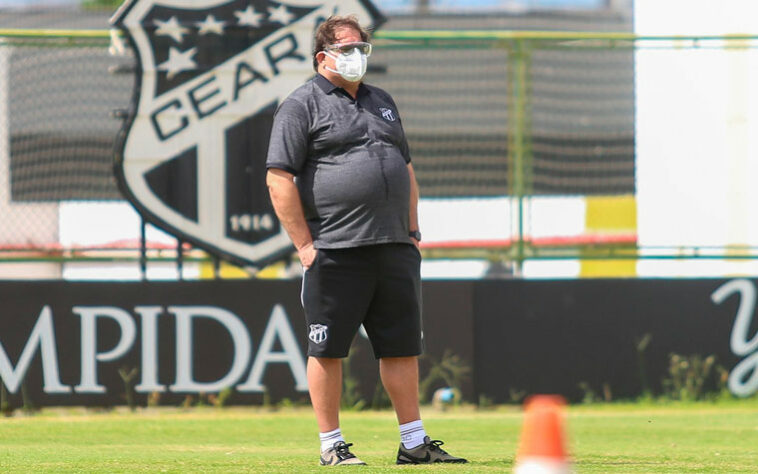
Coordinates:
333	56
327	53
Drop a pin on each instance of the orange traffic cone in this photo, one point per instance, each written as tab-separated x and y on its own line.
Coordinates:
543	445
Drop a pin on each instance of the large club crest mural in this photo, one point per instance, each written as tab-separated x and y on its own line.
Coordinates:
210	76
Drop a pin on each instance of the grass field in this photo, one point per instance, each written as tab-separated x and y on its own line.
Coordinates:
671	437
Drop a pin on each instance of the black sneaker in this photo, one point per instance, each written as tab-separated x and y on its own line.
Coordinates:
340	454
428	453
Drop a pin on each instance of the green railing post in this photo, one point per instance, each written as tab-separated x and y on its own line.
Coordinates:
519	124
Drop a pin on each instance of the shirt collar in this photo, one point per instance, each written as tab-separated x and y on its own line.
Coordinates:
326	85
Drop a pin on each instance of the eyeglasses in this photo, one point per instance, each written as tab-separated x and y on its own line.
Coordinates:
347	48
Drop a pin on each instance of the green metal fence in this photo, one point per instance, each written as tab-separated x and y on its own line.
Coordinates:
535	118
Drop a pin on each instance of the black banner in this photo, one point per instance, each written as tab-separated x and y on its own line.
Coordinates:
181	337
576	336
67	342
71	343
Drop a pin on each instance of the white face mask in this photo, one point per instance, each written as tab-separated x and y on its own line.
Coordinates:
351	66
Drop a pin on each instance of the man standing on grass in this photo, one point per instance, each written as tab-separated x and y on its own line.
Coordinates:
343	187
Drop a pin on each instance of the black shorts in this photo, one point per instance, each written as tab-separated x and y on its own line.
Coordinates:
378	286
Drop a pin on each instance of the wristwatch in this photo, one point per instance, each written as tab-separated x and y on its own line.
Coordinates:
415	234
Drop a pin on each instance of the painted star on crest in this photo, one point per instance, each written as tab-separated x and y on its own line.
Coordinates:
280	14
249	17
171	28
211	25
178	61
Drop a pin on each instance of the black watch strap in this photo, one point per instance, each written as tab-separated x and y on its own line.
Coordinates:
415	234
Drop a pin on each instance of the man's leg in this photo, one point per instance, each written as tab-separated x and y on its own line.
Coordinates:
393	324
400	379
394	327
325	387
337	289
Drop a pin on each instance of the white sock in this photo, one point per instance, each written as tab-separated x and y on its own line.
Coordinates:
412	434
329	438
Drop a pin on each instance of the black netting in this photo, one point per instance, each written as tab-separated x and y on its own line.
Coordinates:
582	120
62	131
572	127
454	104
575	130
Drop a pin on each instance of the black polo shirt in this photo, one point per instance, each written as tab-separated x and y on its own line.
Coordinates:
349	157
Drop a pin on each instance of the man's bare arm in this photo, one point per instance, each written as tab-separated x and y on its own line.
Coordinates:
286	200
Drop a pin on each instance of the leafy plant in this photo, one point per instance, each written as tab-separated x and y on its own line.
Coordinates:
188	402
203	400
450	369
688	376
127	376
5	406
722	378
641	345
154	399
27	406
589	394
222	399
516	396
266	403
286	403
485	402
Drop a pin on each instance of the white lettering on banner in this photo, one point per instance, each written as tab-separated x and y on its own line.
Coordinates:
743	379
278	326
43	336
240	338
89	315
149	382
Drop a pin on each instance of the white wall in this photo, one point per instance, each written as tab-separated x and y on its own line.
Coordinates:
697	133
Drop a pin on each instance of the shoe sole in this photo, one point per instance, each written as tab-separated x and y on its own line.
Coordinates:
438	461
360	463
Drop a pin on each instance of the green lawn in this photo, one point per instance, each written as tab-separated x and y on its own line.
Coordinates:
672	437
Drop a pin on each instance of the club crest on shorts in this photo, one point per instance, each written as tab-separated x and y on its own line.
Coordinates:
318	333
210	75
387	114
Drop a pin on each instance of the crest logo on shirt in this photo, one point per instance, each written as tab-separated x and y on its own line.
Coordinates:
318	333
387	114
210	74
